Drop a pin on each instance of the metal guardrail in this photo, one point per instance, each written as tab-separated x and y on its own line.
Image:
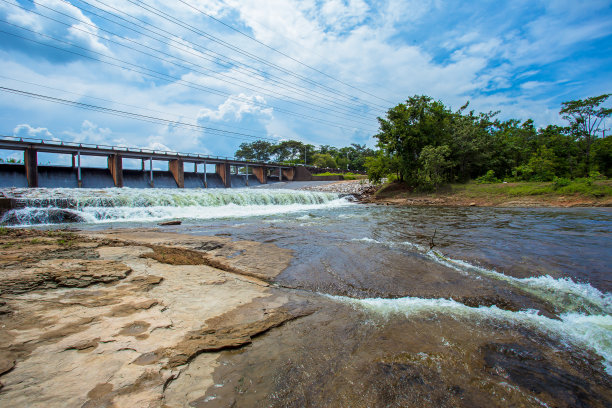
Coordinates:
127	149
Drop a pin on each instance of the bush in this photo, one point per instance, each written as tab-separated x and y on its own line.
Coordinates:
559	182
596	175
488	178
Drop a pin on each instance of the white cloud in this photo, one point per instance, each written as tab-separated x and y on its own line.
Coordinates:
237	106
91	133
82	33
25	130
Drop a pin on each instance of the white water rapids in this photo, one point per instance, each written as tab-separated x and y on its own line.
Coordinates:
56	206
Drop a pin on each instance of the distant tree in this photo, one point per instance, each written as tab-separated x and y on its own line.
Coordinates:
585	118
324	160
259	150
602	155
308	150
287	150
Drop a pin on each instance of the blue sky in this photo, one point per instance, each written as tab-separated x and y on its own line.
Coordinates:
350	61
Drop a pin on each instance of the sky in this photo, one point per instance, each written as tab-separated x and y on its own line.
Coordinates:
203	76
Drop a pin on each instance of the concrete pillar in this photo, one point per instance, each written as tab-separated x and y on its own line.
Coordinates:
30	158
224	171
280	174
115	165
142	167
288	173
261	174
151	172
195	168
178	171
246	176
79	176
73	161
205	181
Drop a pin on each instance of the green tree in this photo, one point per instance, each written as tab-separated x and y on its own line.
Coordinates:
434	162
602	156
259	150
585	117
542	165
324	160
378	167
411	126
287	150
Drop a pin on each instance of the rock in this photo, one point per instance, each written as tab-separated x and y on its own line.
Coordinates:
472	204
55	273
44	216
359	189
174	222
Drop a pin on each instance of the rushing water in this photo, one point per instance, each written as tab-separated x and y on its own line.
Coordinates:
417	306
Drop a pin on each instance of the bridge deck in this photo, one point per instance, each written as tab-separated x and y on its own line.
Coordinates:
59	147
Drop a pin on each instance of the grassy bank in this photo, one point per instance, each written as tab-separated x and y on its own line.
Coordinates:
347	176
581	192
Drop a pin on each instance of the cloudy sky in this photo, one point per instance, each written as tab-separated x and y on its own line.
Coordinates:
206	75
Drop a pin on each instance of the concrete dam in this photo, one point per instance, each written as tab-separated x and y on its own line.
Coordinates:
184	170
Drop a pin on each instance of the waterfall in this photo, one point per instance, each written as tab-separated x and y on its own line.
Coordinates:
61	205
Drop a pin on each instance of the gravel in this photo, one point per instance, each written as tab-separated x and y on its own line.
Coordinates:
360	189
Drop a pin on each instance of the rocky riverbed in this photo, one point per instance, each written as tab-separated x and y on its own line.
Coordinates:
129	318
360	189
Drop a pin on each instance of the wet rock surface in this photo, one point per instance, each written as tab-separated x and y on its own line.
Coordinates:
115	319
145	318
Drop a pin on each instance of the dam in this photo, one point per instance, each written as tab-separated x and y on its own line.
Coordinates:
228	172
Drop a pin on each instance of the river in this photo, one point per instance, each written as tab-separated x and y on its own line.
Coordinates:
416	306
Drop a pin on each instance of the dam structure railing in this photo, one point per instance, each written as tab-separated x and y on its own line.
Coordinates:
229	172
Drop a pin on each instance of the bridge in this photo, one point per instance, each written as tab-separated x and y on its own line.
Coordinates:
228	171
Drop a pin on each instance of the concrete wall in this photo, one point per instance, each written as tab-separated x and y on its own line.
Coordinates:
14	175
327	178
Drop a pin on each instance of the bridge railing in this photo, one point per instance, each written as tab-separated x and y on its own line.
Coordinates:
61	143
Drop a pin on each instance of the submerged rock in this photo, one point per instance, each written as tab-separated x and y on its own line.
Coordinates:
33	216
173	222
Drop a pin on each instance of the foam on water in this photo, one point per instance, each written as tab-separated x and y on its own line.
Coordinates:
565	294
591	331
45	206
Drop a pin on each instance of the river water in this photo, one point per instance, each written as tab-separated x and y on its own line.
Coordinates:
416	306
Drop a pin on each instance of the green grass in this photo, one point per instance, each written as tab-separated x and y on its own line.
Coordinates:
580	187
583	187
347	176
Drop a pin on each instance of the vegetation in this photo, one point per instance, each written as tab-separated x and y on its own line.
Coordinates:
425	144
580	191
347	176
352	157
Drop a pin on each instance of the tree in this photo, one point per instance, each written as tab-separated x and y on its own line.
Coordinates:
602	156
409	127
259	150
287	150
433	162
324	160
585	118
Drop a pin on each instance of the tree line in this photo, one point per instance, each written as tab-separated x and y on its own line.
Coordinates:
426	144
352	157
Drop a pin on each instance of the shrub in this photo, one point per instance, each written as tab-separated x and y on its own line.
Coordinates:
488	178
559	182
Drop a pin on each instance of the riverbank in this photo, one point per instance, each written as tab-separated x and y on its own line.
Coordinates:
129	317
525	194
595	194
